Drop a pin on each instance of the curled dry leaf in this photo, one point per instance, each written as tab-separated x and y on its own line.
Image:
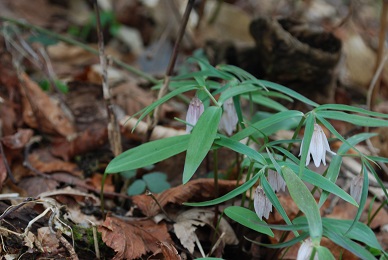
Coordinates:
131	240
167	250
197	190
44	114
187	222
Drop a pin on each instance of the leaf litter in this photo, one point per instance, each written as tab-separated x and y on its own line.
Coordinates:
51	207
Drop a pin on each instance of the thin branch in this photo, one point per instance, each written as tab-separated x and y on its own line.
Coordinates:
170	68
113	126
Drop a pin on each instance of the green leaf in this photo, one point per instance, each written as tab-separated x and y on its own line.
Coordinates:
240	148
234	91
348	244
289	243
324	253
148	153
305	202
341	107
201	140
156	182
287	91
248	219
354	119
162	100
237	191
275	201
265	123
267	102
321	182
359	232
136	188
335	164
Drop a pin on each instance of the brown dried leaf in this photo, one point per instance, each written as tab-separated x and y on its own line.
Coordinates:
132	239
201	189
89	140
17	140
43	161
168	251
3	173
48	241
47	115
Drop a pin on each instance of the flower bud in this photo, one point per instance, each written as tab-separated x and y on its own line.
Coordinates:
229	118
261	203
276	181
195	110
356	187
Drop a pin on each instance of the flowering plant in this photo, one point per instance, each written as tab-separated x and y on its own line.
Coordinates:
273	163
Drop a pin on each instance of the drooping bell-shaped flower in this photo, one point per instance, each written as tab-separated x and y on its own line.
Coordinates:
356	187
305	250
276	181
195	110
318	147
229	117
261	203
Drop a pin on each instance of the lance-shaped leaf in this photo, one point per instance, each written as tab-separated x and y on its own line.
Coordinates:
201	140
148	153
305	202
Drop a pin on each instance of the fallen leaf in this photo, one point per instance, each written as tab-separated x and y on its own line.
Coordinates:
89	140
17	140
44	161
3	173
33	186
185	231
168	251
48	241
44	113
132	239
29	240
196	190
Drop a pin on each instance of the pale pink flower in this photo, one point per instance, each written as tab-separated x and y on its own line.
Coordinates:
318	147
276	181
229	118
305	251
261	203
195	110
356	187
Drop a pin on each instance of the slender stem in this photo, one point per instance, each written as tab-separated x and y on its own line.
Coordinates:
86	47
170	68
248	178
211	96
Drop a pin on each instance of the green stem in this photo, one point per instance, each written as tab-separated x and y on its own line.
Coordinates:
248	178
211	96
86	47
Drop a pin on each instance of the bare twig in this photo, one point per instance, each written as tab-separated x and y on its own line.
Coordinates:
11	209
113	126
96	248
67	245
170	68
